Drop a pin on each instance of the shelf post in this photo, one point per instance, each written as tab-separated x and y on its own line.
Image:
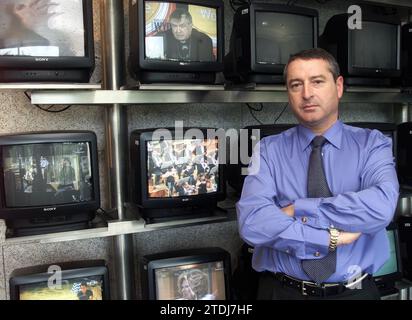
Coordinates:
112	29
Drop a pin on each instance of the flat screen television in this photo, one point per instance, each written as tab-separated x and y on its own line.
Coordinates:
49	181
176	41
234	174
391	271
175	175
67	281
263	38
193	274
47	41
367	56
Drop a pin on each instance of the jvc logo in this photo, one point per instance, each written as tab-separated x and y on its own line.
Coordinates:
42	59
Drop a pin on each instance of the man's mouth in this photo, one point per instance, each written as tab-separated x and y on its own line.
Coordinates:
309	107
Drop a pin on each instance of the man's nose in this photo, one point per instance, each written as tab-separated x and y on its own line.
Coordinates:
307	91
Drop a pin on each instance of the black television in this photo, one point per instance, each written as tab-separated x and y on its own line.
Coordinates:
175	173
236	173
49	181
263	38
191	274
367	56
62	281
176	41
46	41
404	154
406	55
391	271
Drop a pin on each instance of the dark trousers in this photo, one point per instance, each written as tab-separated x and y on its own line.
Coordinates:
271	289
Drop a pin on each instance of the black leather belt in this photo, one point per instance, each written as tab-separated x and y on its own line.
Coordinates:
309	288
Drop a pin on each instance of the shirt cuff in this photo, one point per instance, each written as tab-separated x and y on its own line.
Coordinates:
317	243
307	210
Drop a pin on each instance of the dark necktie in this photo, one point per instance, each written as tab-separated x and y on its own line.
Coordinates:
318	269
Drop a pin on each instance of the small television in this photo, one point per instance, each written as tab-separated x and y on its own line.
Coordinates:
46	41
49	181
176	41
66	281
234	174
367	56
391	271
175	174
191	274
406	58
263	38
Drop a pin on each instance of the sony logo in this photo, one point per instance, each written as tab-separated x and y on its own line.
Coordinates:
49	209
42	59
185	199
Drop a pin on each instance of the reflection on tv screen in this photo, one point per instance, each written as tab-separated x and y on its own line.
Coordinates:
178	168
391	265
89	288
205	281
180	32
47	174
47	28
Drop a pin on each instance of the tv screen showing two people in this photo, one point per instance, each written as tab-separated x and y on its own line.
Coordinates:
180	32
89	288
47	173
46	28
204	281
179	168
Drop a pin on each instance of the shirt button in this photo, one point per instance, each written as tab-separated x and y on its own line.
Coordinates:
287	251
304	219
317	254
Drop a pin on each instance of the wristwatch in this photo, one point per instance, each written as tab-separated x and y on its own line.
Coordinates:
334	235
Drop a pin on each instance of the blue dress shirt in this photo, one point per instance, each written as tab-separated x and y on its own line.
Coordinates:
360	171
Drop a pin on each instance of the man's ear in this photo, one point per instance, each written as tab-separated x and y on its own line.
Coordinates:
339	86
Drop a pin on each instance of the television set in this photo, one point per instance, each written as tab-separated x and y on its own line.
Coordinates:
49	181
176	41
46	41
191	274
234	174
367	56
263	38
406	56
66	281
391	271
175	174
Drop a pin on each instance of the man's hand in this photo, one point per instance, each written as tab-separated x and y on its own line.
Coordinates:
289	210
347	237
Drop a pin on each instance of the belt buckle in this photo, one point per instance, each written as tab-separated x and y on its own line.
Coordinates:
304	288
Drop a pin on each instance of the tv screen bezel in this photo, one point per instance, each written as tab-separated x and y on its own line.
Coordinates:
63	62
394	276
17	213
375	72
140	188
171	259
182	66
276	8
17	281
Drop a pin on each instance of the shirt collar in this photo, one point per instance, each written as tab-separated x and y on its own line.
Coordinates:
333	135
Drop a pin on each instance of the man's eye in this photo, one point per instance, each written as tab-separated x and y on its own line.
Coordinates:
295	85
318	81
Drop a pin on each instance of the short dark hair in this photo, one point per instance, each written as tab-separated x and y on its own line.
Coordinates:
180	13
315	53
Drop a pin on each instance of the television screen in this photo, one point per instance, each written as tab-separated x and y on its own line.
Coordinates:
391	265
47	173
180	32
42	28
384	37
178	168
279	35
85	288
203	281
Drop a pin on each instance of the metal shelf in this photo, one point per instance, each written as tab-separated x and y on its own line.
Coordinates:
260	94
50	86
115	228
